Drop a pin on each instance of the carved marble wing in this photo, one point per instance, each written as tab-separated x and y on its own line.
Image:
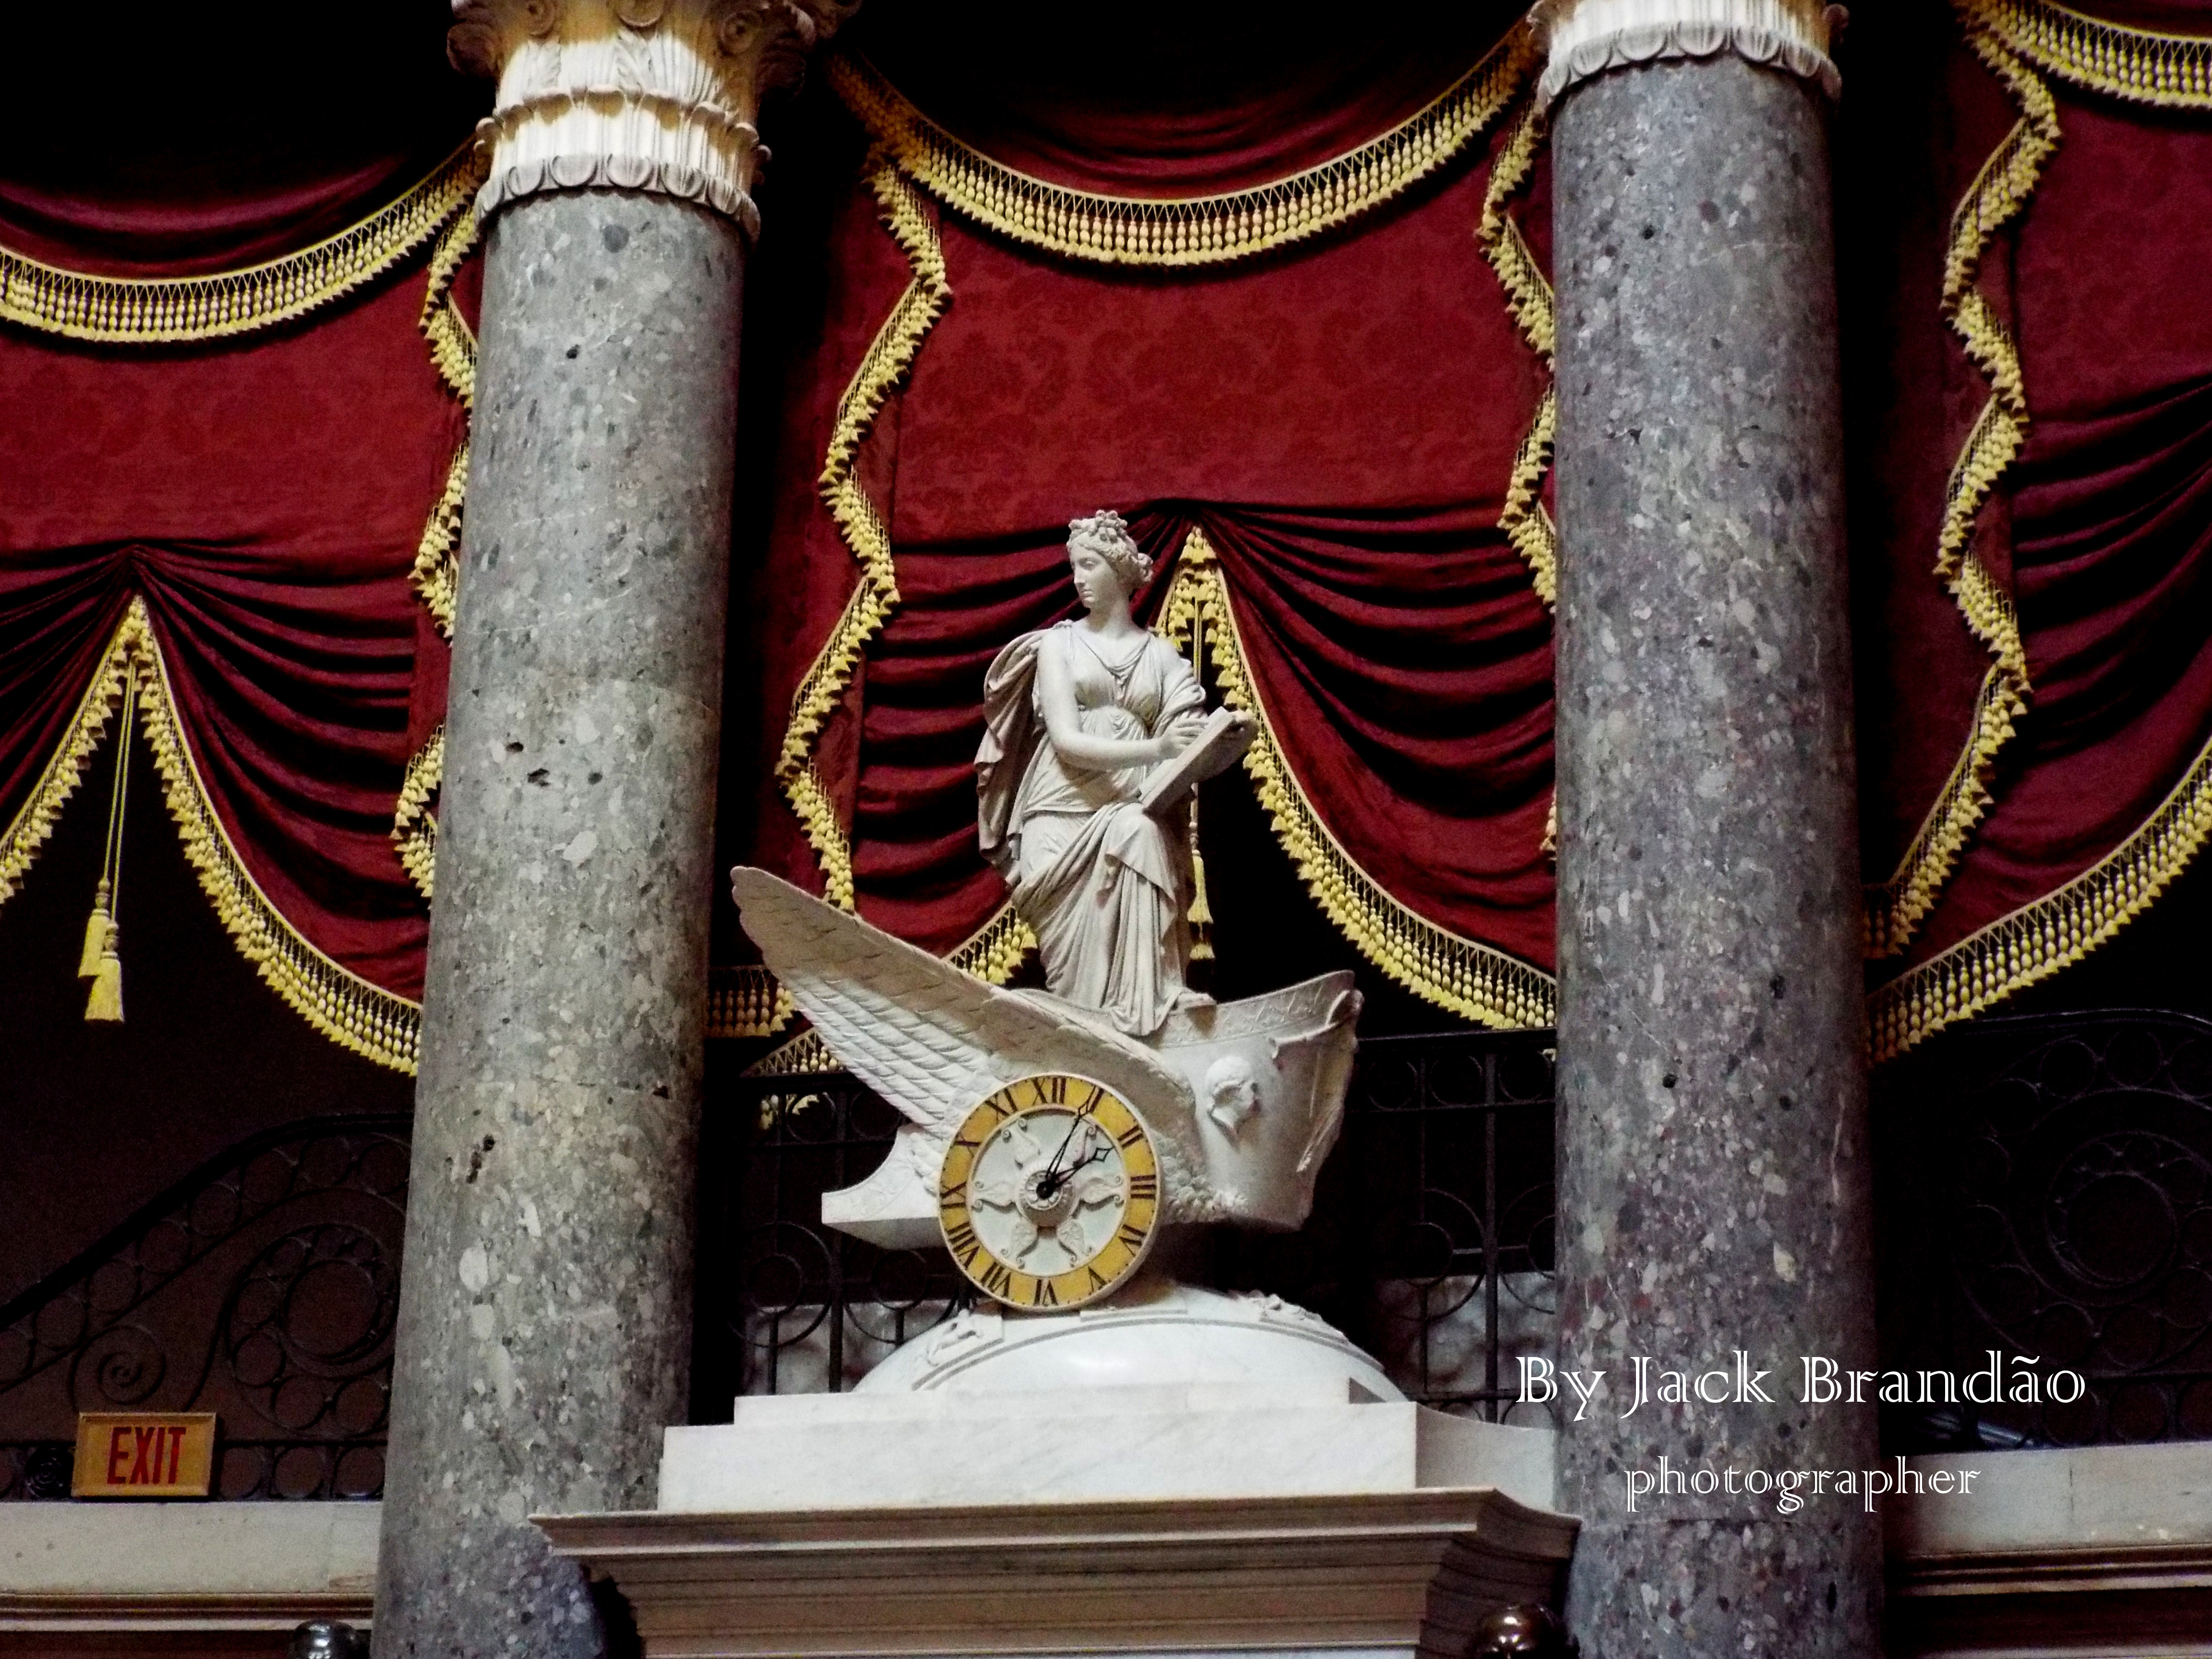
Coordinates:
930	1039
933	1041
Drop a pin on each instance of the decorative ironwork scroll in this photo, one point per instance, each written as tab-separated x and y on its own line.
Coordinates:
1429	1244
264	1287
2058	1206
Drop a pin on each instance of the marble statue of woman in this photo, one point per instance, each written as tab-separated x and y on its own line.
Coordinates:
1079	714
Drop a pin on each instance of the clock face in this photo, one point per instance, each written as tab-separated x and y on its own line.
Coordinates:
1050	1194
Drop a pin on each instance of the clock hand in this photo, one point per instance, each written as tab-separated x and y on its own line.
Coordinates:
1053	1174
1045	1190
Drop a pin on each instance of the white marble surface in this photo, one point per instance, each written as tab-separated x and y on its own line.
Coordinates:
90	1548
1155	1331
2080	1497
817	1452
89	1568
1368	1576
2076	1552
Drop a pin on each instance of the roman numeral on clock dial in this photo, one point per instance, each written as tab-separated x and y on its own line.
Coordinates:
1007	1188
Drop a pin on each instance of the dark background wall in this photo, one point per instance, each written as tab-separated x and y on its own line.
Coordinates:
96	1119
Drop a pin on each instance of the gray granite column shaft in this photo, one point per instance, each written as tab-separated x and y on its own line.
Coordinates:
1713	1190
544	1331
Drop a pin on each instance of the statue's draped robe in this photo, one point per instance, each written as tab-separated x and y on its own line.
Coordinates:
1102	884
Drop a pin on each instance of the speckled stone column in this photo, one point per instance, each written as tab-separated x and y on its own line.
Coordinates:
1713	1190
544	1328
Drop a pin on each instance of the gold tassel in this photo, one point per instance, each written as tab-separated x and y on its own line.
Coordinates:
95	935
100	961
1201	913
106	999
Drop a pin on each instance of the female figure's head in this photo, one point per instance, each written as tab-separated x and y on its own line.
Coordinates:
1107	565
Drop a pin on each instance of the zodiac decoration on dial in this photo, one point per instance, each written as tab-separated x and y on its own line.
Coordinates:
1049	1195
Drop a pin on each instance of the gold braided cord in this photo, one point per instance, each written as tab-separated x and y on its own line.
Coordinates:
1999	194
142	311
2037	940
1523	519
2173	71
889	354
1196	230
33	821
414	826
341	1005
1462	974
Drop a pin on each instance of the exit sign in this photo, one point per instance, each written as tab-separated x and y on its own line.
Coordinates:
144	1454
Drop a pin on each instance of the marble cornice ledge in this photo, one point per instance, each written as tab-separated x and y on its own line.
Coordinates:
1584	38
656	95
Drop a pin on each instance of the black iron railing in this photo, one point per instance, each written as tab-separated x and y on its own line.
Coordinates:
264	1287
1430	1244
2045	1190
787	1305
2044	1185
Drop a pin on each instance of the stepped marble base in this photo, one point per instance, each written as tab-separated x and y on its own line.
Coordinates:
1376	1576
1305	1518
829	1451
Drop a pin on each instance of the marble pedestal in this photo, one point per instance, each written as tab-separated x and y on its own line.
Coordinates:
1187	1519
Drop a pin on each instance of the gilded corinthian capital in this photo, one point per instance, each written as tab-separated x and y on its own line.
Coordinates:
660	95
1587	37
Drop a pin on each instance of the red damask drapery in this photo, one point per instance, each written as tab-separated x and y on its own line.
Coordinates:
1327	443
1282	313
2053	445
219	481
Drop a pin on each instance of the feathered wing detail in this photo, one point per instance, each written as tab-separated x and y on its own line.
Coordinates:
929	1038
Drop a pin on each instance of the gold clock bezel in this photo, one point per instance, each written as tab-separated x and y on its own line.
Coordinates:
1117	1260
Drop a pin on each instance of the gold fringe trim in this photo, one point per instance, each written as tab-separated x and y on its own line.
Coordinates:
453	342
803	1056
1523	519
437	572
414	826
341	1005
64	770
137	311
1462	974
993	953
1196	230
907	216
2036	941
2171	71
436	576
746	1002
1999	194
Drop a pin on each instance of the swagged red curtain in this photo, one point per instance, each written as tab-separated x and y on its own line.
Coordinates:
228	523
2030	791
1339	418
1402	646
1340	427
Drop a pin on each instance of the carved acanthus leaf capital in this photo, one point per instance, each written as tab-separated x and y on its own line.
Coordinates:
660	96
1587	37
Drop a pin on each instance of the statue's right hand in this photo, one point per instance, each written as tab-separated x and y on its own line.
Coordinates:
1179	736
